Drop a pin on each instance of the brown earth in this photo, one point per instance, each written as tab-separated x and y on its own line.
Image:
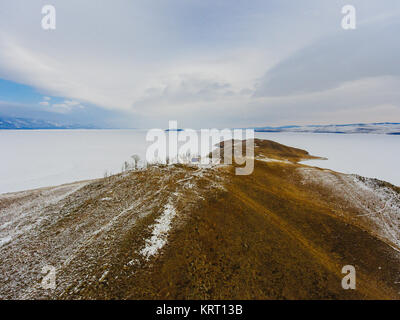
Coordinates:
182	232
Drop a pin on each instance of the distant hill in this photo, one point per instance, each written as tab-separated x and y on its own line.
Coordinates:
30	124
376	128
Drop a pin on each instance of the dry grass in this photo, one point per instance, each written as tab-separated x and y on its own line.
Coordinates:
264	236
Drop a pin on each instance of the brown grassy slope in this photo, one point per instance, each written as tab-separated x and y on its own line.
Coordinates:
261	240
265	237
90	235
276	150
270	149
268	235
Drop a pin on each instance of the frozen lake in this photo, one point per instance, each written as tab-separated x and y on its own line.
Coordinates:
40	158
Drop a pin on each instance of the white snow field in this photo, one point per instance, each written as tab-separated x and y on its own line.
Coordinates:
39	158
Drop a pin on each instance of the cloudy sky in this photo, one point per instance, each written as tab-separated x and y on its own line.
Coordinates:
205	63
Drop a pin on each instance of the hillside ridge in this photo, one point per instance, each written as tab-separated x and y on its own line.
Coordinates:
189	232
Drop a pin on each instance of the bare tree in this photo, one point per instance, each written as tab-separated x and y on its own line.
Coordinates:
136	160
106	174
126	166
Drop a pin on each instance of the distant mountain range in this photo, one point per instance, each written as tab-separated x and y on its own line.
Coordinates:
393	128
31	124
376	128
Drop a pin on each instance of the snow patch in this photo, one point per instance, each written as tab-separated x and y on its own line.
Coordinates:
379	204
160	232
25	211
265	159
5	240
103	276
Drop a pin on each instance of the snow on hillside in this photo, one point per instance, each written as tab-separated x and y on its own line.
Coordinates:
378	204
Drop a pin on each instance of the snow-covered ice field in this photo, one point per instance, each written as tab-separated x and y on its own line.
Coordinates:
39	158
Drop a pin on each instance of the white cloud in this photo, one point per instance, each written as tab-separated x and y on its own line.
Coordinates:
66	106
196	61
71	103
63	107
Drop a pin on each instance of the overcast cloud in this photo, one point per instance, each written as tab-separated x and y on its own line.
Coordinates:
207	63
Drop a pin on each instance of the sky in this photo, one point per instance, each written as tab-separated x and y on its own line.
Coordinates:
204	63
